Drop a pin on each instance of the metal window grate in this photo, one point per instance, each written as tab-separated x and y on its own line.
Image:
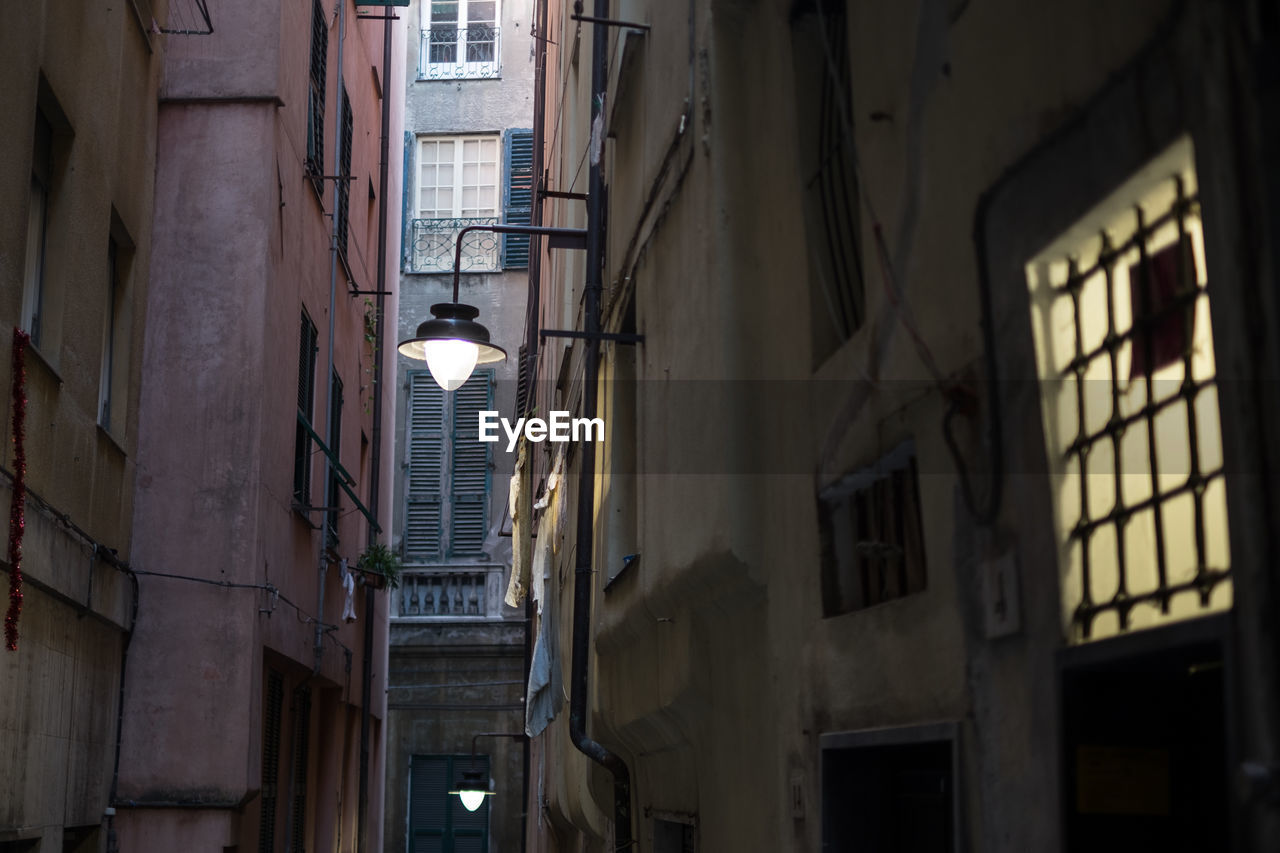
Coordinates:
871	533
824	109
1156	339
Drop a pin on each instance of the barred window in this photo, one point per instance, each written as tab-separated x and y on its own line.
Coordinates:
1124	348
872	539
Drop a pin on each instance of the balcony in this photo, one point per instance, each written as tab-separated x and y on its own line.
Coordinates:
431	246
460	53
455	592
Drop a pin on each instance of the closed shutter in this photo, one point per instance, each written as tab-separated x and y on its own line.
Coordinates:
306	402
301	747
344	172
438	822
470	469
334	497
273	703
517	196
428	803
425	463
315	93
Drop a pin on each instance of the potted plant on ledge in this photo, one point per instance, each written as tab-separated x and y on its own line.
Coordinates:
380	566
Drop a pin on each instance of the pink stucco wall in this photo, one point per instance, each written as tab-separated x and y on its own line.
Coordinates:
242	249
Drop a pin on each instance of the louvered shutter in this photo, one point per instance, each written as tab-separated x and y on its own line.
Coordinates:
344	172
517	196
470	469
273	702
425	461
428	803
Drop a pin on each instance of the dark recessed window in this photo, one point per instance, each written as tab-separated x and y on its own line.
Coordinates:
872	542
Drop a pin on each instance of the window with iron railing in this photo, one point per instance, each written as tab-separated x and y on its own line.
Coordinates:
460	41
457	186
1129	400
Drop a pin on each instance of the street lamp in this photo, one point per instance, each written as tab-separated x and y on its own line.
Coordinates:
472	788
452	343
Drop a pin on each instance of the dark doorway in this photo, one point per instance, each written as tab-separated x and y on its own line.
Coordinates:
1145	751
889	798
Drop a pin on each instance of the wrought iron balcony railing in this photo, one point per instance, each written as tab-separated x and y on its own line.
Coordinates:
449	593
460	53
431	244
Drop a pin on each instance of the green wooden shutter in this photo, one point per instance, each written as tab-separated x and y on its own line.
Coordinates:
274	702
301	748
344	172
438	822
425	463
428	803
306	404
315	93
517	196
469	498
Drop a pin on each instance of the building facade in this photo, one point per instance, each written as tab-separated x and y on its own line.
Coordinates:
253	699
456	650
79	145
936	508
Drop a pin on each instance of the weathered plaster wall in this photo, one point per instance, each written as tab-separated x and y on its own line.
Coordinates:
93	71
715	673
246	239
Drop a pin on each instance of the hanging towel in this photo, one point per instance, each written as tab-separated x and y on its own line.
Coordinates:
348	584
521	515
546	692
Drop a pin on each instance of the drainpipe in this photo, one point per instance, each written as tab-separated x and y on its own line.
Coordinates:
327	527
375	461
584	577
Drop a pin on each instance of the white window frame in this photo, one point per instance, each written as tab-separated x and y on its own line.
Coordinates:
435	227
465	31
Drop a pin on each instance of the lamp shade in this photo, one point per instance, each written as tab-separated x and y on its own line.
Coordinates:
472	790
452	344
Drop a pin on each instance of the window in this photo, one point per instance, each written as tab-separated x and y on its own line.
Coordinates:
438	822
113	381
872	542
315	94
824	111
333	491
37	223
306	403
517	196
1124	352
447	480
298	774
457	186
273	702
890	790
344	173
460	41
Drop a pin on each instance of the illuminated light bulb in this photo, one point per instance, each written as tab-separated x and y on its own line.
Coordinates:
450	362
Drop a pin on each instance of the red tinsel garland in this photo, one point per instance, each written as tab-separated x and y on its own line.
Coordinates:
17	518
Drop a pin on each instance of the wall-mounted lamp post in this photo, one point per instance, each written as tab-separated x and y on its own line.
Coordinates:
472	786
452	343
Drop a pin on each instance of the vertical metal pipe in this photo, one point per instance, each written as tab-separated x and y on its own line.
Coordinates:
375	461
584	576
